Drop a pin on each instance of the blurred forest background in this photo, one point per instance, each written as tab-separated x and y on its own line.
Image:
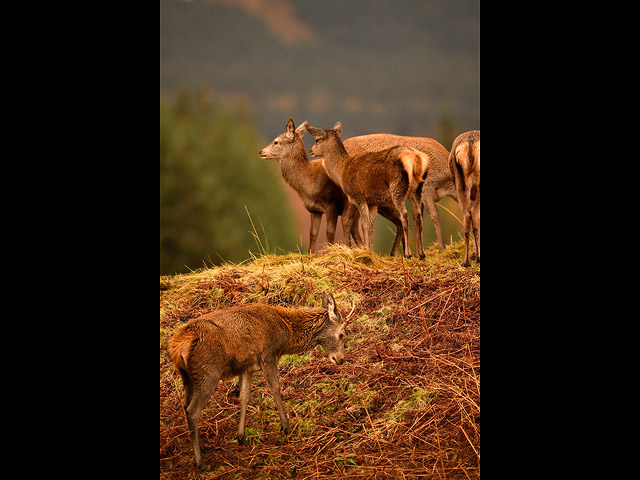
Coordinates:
233	71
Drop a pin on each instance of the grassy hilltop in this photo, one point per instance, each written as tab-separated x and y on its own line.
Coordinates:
406	402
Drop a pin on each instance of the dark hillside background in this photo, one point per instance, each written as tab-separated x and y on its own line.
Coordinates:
409	67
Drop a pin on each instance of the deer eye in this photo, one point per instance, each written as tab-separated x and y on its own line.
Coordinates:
275	142
341	336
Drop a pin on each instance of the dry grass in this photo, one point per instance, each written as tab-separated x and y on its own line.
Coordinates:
405	404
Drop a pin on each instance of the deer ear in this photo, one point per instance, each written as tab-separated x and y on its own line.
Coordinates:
338	128
302	128
329	303
316	132
290	128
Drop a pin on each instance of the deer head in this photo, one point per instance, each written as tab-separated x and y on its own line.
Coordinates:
322	137
282	145
332	335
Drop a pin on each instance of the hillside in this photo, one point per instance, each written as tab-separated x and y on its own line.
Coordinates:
406	402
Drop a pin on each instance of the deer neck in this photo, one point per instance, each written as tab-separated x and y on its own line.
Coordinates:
304	328
295	168
334	161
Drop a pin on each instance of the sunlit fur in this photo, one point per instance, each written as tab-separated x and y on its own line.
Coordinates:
438	183
319	194
239	341
464	164
377	179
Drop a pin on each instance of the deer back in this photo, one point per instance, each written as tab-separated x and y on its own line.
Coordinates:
376	176
231	340
237	339
438	178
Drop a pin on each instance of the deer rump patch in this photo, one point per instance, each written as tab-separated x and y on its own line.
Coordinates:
415	164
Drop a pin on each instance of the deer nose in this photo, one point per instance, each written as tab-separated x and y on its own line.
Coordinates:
336	360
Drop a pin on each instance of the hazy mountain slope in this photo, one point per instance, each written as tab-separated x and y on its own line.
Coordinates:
376	66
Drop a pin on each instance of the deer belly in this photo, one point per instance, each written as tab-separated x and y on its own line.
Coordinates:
236	367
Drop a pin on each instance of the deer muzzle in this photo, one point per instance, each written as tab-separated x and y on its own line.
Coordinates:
337	360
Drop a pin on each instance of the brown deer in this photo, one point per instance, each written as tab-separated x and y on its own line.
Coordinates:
438	184
239	341
376	179
464	164
318	192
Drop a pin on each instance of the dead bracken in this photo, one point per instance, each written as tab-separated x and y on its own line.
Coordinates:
405	404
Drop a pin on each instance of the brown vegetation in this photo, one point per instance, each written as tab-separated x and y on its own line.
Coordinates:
405	403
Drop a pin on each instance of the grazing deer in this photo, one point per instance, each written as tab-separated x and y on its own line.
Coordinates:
239	341
464	164
318	192
438	183
376	179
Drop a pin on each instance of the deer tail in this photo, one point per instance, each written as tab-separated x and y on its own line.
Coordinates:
179	347
461	162
416	164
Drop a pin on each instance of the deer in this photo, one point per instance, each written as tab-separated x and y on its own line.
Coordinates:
464	164
239	341
376	180
318	192
438	183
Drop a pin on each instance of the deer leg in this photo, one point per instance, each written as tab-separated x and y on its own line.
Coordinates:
430	202
367	218
373	212
404	219
199	399
416	212
245	390
476	236
467	232
363	210
269	369
316	218
389	215
349	221
355	230
463	201
475	221
332	220
188	388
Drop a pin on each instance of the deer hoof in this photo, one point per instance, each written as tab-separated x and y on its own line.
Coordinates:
203	466
241	440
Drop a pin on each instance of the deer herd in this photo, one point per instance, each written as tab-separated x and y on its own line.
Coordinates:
355	179
369	174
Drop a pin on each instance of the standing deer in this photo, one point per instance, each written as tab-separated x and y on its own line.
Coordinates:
318	192
438	183
464	164
239	341
376	179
